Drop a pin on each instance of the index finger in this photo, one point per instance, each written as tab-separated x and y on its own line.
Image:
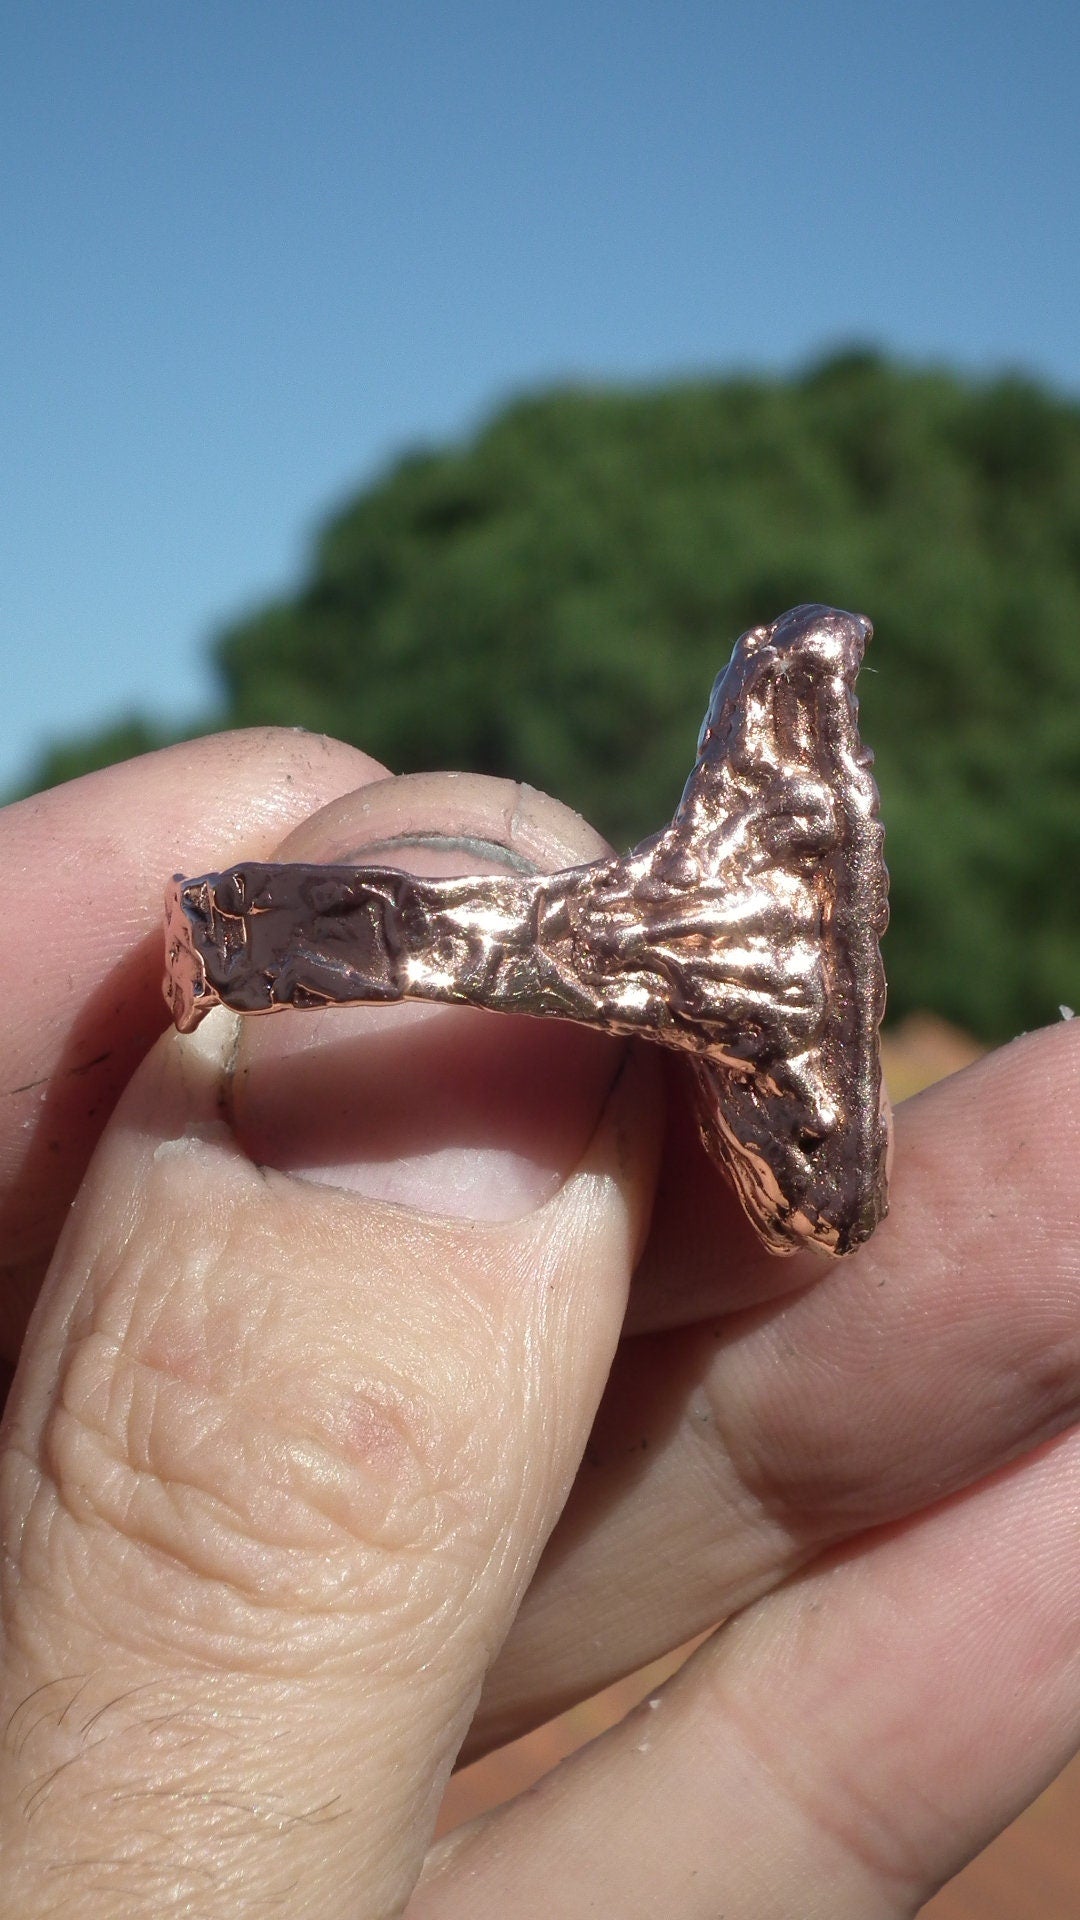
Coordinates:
82	871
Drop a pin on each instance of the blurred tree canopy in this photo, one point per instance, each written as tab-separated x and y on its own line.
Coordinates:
552	599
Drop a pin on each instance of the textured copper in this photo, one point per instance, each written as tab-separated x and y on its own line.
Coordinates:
744	934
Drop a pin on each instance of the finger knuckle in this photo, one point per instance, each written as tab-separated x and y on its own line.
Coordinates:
185	1487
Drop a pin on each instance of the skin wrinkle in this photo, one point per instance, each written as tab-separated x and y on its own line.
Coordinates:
373	1424
131	1327
75	1583
698	1717
165	1535
784	1474
860	1830
435	1445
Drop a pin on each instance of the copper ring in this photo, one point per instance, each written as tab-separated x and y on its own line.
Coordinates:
745	934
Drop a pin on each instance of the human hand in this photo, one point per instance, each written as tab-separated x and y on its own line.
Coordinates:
312	1381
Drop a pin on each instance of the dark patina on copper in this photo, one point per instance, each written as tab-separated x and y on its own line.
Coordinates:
745	934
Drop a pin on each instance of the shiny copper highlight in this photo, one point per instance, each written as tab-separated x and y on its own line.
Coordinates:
745	935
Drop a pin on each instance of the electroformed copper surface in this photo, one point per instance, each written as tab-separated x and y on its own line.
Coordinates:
745	934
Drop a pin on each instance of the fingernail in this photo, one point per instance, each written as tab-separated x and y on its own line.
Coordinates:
445	1110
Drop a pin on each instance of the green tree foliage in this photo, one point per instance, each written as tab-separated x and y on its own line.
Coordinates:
552	600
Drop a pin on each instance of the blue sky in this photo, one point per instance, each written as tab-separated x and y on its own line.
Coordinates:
249	251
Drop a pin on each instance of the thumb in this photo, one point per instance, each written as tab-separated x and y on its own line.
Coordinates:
302	1399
